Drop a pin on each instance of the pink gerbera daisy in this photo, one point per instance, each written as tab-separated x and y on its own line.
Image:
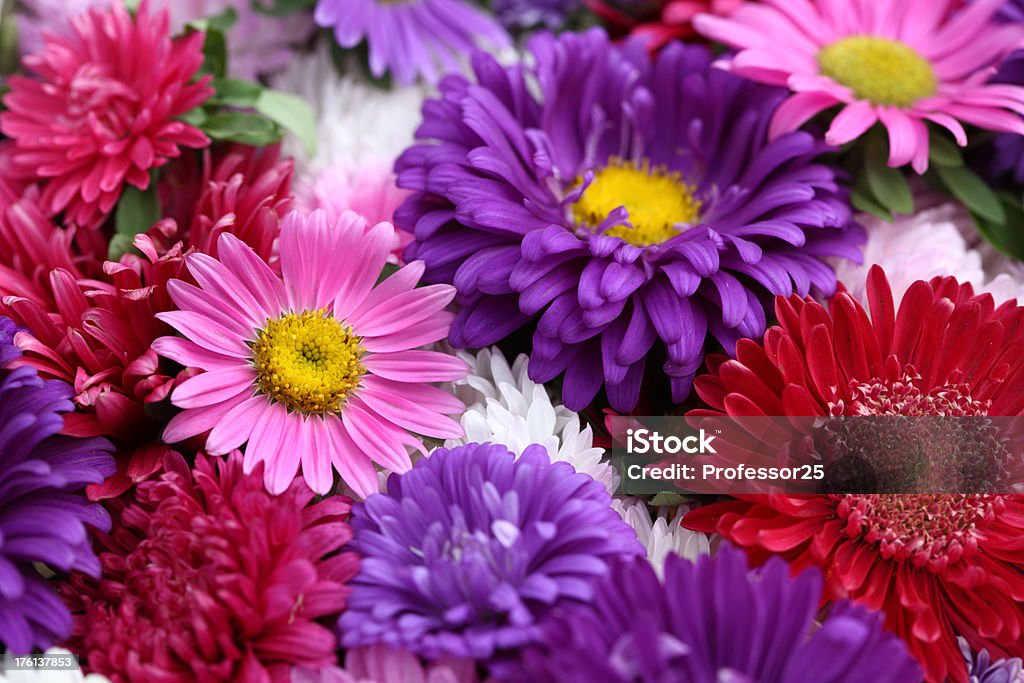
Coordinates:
318	365
102	109
898	62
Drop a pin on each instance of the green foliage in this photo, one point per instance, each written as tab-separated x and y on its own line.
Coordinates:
137	211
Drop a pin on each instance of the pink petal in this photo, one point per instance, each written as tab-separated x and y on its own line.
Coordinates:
192	355
410	415
265	287
903	137
214	386
353	465
189	423
361	266
416	366
234	430
851	122
216	278
190	298
374	437
424	332
403	311
206	333
314	447
265	443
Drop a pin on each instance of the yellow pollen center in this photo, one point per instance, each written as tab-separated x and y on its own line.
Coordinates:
658	201
308	361
879	70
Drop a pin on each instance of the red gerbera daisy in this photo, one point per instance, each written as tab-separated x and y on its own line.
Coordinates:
939	566
207	577
103	109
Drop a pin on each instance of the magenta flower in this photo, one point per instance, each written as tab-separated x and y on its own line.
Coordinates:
102	110
317	367
890	61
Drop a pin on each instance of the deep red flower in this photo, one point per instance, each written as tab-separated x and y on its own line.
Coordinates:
207	577
660	21
102	109
939	566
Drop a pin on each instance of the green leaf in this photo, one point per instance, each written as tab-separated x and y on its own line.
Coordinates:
119	246
195	117
243	127
864	201
888	186
137	210
1006	236
292	113
942	151
216	22
235	92
281	7
969	188
215	54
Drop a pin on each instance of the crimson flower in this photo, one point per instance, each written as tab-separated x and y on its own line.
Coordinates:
102	109
939	566
207	577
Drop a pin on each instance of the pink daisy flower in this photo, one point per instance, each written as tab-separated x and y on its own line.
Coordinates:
102	109
898	62
317	366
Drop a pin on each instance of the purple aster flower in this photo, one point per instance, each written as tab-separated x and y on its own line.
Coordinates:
43	508
627	207
710	621
467	551
530	13
411	38
981	668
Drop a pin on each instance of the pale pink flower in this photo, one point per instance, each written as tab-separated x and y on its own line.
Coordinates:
898	62
317	367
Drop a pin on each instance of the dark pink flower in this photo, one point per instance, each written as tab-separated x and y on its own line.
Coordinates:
102	109
207	577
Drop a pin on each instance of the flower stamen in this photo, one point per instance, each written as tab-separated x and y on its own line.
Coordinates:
658	201
308	361
879	70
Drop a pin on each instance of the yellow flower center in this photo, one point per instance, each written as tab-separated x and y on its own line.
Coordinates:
879	70
658	201
308	361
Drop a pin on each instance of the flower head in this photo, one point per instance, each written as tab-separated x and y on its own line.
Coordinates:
981	668
467	551
713	620
630	209
411	38
928	244
880	61
206	576
43	509
939	566
658	22
102	109
316	366
503	405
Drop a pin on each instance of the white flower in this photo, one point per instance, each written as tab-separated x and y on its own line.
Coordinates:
357	121
922	246
503	405
660	536
11	675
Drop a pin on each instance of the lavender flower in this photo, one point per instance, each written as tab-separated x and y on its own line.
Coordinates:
981	668
713	620
624	208
411	38
466	552
43	509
